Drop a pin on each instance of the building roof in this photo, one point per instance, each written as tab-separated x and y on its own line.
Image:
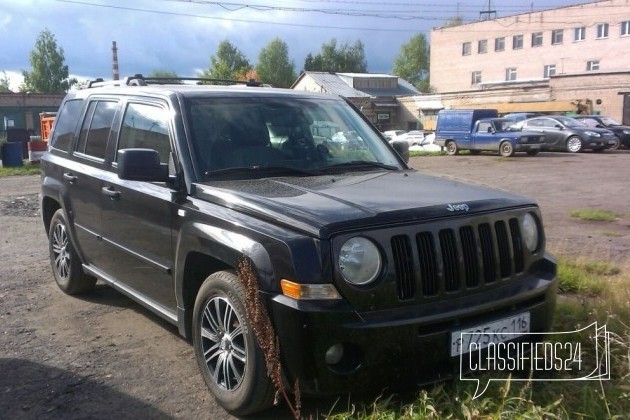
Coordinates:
342	84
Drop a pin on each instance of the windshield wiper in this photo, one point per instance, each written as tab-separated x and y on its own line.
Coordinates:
361	164
258	171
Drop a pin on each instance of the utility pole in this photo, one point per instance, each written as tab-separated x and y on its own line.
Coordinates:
488	14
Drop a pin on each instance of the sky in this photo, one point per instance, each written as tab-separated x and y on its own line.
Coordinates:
181	35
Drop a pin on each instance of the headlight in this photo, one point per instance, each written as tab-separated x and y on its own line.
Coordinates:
592	134
626	131
530	232
359	261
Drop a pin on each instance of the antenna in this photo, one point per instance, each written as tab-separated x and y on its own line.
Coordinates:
488	14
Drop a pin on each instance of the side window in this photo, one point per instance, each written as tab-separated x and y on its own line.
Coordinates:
484	127
146	127
96	128
65	124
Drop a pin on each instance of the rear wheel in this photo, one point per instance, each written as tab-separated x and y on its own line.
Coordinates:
574	144
229	357
506	149
64	260
451	148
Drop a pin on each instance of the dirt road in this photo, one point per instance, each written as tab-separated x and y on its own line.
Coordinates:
103	356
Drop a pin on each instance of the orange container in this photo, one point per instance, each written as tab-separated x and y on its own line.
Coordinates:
46	120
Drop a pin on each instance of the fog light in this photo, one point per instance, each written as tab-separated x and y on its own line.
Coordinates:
334	354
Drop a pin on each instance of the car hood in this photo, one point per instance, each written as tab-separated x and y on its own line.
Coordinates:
323	205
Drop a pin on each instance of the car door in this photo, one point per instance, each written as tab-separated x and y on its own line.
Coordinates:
137	215
83	177
544	126
484	138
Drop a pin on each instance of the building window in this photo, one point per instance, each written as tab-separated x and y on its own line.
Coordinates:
556	36
499	44
475	78
579	34
625	28
466	48
510	73
602	30
482	46
537	39
592	65
517	42
550	70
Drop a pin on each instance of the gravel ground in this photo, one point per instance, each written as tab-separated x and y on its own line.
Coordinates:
103	356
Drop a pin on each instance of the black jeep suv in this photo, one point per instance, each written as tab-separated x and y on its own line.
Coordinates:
369	271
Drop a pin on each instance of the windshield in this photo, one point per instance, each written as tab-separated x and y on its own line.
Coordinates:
271	133
609	121
570	122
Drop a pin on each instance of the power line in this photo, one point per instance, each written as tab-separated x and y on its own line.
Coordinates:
85	3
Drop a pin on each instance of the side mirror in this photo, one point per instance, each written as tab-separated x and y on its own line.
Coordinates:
402	148
141	165
558	126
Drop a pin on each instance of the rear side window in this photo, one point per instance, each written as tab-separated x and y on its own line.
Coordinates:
96	128
65	124
146	126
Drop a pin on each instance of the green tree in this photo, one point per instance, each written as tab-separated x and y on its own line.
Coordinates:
228	63
5	83
165	74
412	63
274	66
338	59
49	73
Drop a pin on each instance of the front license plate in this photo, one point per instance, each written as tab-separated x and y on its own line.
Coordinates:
481	336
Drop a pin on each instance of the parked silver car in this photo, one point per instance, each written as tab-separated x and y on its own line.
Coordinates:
567	134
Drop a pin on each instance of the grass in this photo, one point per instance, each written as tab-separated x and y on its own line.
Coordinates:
589	292
414	153
27	169
594	215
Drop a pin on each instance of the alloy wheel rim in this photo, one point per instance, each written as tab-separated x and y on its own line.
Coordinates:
223	343
61	255
574	144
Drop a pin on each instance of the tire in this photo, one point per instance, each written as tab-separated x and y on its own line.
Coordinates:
235	371
574	144
616	145
506	149
451	148
533	152
64	260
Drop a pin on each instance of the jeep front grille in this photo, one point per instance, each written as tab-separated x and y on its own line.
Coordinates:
450	260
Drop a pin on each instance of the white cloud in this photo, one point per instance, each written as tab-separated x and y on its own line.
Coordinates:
15	79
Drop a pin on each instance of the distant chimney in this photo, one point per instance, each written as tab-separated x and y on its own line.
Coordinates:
115	61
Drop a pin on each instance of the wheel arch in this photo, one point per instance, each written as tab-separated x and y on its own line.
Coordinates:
203	250
48	208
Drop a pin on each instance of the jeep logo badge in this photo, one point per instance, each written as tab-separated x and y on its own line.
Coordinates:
458	207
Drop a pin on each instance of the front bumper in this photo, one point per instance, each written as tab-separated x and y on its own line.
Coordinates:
396	349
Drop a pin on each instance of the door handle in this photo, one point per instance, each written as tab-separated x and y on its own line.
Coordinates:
70	177
111	193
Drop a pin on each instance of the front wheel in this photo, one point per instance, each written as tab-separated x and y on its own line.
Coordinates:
574	144
64	260
616	145
451	148
229	357
506	149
